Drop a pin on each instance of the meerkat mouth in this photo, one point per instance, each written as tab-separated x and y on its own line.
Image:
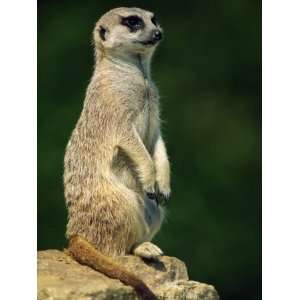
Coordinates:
147	43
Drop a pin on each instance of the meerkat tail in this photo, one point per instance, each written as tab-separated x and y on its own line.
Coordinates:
83	252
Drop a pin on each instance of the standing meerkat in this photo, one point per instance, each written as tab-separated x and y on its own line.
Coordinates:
116	169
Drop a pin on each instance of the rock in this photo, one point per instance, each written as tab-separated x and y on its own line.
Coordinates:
62	278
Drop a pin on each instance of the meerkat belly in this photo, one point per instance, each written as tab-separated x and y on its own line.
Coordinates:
146	120
142	124
150	214
154	216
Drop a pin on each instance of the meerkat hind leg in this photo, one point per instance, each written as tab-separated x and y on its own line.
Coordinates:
147	250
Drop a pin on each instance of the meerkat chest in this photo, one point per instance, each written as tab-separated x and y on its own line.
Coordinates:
148	115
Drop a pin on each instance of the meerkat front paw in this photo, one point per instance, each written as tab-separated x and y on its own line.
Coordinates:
147	250
163	198
160	197
148	180
163	194
163	182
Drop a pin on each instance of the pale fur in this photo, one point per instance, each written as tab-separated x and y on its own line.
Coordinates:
116	154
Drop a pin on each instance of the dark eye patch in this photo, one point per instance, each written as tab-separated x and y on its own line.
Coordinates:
134	23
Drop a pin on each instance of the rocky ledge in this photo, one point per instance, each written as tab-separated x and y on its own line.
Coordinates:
61	278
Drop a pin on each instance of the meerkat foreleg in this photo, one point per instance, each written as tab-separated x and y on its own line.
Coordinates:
133	146
162	166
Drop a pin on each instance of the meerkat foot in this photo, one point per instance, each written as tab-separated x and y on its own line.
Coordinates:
147	250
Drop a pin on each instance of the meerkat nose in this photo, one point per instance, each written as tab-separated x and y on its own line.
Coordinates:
157	35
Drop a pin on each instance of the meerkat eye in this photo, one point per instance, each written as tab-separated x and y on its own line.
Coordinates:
154	21
134	23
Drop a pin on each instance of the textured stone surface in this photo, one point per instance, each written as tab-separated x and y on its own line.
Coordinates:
61	278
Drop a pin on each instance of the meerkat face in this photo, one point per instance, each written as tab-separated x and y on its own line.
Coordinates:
127	30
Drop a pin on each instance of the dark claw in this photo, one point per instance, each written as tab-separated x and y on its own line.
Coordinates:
153	196
163	199
160	198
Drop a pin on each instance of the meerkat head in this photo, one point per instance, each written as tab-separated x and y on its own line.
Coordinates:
127	31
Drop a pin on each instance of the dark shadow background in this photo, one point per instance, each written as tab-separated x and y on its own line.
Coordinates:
208	70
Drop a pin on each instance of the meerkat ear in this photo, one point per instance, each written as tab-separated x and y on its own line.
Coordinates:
102	32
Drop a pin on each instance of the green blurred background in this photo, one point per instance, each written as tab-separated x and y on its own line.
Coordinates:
208	70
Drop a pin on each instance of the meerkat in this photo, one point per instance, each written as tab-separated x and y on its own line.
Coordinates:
116	168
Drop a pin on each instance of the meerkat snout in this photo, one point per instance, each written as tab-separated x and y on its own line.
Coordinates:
157	35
